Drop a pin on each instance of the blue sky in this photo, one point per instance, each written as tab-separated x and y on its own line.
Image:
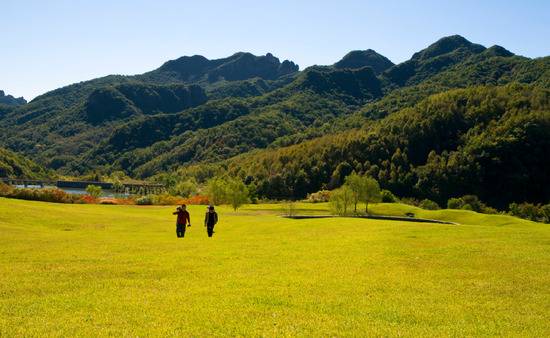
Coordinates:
49	44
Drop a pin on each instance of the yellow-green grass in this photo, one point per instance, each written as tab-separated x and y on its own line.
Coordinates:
94	270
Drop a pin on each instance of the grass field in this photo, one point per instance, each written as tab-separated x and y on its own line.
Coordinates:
92	270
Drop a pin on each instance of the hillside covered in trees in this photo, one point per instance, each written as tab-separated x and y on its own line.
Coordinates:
13	165
9	100
457	118
489	141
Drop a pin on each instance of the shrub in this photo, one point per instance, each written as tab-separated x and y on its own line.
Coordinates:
455	203
428	204
545	211
467	207
88	199
165	199
319	197
144	200
489	210
196	200
93	190
388	196
470	202
5	189
474	202
45	195
533	212
410	201
125	201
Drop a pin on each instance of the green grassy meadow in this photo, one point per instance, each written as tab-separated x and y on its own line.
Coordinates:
96	270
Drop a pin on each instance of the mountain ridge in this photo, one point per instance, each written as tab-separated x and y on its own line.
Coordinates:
10	100
151	123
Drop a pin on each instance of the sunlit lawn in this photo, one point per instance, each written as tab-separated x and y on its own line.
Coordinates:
91	270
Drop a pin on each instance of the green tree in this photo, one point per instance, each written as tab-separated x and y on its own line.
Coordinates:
357	184
428	204
388	196
341	200
290	207
455	203
93	190
236	193
371	192
216	190
185	188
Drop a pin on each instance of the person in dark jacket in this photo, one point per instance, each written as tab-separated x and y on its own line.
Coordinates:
210	220
183	220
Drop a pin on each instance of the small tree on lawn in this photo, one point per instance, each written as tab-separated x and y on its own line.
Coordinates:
93	190
357	185
237	193
370	192
216	190
290	207
185	188
341	200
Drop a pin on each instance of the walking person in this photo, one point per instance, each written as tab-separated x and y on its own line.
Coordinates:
210	220
182	220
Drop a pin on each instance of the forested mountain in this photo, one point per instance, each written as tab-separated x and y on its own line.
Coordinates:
16	166
245	111
58	127
9	100
479	140
320	100
365	58
9	103
240	66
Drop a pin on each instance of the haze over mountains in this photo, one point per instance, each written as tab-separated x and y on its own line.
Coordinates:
200	112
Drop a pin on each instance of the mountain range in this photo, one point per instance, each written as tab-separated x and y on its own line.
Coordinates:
200	117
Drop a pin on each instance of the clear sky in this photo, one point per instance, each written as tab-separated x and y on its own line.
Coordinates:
49	44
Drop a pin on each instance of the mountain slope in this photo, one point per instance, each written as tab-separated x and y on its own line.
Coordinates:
490	141
13	165
61	124
236	126
9	100
344	87
443	53
364	58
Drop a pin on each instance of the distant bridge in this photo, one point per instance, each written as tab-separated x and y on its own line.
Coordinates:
129	188
27	182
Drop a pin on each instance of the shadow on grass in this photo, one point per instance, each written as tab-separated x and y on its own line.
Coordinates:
378	217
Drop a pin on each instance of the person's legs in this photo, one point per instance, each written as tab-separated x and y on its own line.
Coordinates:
180	231
210	230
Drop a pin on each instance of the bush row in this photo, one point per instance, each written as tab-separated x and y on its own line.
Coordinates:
45	195
533	212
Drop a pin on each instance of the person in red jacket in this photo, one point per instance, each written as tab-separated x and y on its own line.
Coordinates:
183	219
